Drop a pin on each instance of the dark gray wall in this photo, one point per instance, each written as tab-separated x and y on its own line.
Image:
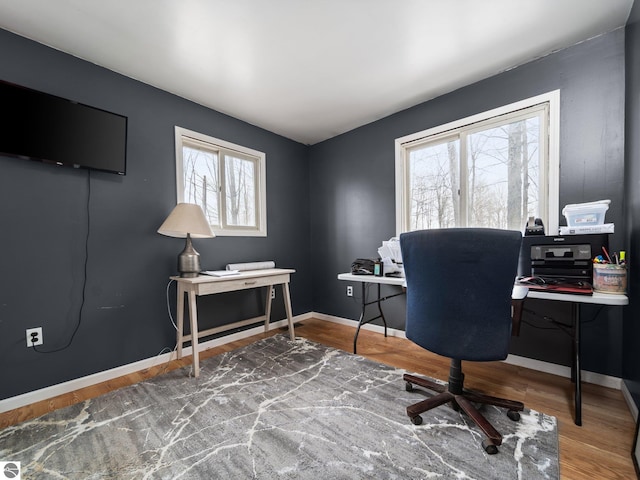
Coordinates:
43	211
353	202
631	360
327	205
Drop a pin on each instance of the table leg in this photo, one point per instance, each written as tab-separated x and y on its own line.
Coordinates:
193	316
384	320
180	319
575	307
287	307
361	319
267	308
364	304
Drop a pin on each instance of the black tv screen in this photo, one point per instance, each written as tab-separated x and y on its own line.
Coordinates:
51	129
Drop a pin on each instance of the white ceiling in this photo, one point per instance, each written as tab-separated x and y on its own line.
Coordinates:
310	70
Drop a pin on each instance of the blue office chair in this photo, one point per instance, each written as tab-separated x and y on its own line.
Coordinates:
459	285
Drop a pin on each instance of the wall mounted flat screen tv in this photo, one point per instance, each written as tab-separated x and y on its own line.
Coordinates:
39	126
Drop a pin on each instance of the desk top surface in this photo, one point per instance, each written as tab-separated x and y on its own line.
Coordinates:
596	298
401	281
236	276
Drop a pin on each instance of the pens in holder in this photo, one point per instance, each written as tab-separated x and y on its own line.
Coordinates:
607	254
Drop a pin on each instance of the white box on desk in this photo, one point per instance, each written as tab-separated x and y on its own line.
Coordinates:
587	229
584	214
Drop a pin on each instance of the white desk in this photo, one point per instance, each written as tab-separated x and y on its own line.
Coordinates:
399	281
518	294
209	285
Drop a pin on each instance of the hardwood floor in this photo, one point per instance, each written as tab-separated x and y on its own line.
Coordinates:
600	449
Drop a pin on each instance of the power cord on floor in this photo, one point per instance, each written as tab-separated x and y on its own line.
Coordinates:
169	306
175	348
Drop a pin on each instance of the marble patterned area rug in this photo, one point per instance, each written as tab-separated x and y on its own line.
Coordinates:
275	409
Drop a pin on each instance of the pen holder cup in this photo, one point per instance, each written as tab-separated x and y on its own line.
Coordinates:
609	278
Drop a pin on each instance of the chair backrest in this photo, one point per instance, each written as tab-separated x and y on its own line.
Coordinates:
459	284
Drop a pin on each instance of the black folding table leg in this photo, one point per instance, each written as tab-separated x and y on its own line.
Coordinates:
361	320
384	321
379	299
575	313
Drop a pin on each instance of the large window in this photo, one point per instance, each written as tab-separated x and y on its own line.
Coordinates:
495	169
226	180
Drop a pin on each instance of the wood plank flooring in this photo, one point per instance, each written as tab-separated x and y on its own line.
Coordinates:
600	449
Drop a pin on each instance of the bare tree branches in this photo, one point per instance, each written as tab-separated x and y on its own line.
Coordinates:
502	175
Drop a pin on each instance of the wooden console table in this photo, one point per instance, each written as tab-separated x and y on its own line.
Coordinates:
209	285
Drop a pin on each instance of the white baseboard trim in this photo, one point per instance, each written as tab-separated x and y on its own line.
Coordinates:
629	399
547	367
78	383
564	371
391	332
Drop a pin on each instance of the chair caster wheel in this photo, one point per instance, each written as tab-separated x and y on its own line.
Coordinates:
408	387
417	420
489	447
513	415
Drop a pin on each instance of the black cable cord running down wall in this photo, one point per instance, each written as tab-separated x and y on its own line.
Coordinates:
84	280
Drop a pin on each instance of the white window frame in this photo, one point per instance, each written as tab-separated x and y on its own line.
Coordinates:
183	135
549	173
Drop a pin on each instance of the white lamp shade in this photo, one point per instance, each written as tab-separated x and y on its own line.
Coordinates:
186	218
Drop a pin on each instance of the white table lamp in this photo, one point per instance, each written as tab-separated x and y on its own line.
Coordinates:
187	220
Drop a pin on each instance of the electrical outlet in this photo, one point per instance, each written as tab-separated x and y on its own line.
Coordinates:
349	290
273	293
34	336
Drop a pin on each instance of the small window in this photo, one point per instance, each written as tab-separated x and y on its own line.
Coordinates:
226	180
494	169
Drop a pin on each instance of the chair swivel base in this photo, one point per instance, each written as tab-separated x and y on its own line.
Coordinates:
462	400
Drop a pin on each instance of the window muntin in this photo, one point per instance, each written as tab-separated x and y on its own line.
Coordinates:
493	170
226	180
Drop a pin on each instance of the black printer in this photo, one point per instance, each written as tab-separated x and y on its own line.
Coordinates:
566	258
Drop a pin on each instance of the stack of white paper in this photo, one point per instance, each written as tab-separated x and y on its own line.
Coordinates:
221	273
587	229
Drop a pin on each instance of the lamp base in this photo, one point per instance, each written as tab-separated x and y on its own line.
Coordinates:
189	260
